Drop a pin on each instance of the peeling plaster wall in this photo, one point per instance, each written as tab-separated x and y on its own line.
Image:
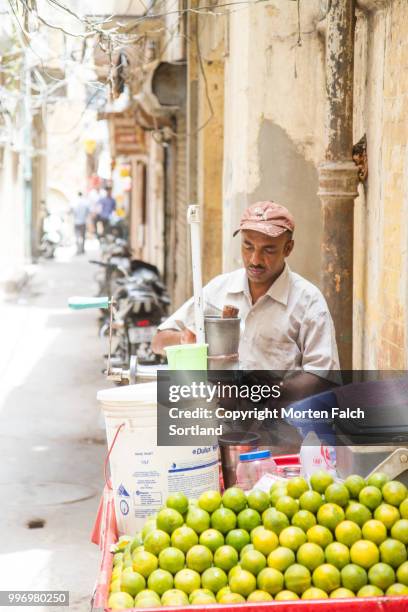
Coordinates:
274	114
381	236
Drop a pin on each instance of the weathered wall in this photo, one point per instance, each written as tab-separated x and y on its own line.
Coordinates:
381	238
274	113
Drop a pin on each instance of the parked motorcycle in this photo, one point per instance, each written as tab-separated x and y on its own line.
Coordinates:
142	304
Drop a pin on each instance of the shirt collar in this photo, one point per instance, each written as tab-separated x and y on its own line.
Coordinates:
279	291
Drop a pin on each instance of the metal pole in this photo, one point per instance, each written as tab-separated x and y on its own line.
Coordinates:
193	218
338	176
26	154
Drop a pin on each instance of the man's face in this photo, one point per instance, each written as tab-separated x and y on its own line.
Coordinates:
264	256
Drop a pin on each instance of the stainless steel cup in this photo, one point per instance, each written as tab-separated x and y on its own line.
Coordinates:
222	337
231	446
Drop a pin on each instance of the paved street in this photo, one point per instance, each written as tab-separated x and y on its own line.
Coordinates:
52	437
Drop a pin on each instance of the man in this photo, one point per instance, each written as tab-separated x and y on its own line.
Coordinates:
106	205
80	211
286	324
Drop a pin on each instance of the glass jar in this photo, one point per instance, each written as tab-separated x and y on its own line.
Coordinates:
252	466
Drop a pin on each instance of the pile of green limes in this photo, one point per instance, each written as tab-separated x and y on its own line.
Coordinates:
328	539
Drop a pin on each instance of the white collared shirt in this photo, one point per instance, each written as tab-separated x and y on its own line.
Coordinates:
288	328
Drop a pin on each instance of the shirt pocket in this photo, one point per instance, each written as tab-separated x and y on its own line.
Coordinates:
278	354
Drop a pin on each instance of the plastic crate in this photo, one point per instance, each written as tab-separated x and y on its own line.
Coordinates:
105	535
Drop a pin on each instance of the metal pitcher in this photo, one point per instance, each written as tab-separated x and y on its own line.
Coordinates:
222	337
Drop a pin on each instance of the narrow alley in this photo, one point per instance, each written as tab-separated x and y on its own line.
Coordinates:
51	451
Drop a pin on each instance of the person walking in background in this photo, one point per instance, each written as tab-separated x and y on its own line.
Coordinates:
107	205
80	211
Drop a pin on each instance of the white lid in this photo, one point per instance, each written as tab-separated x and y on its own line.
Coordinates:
129	394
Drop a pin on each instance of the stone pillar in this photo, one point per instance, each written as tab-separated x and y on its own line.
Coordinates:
338	176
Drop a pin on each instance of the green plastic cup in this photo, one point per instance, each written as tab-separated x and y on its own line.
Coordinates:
187	356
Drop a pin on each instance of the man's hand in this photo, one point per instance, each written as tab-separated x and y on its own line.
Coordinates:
170	337
187	337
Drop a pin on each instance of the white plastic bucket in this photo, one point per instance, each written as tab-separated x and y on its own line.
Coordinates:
142	473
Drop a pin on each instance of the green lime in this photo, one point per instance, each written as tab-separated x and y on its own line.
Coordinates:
337	554
199	592
364	553
246	549
184	538
297	578
222	592
243	583
174	597
177	501
156	541
144	563
374	531
381	575
341	593
117	558
234	499
353	577
404	509
387	514
281	558
397	590
171	559
265	540
354	484
199	558
223	519
120	601
287	505
330	515
149	525
137	541
238	538
320	480
198	519
258	500
225	557
274	520
337	493
253	561
249	519
147	593
214	579
297	486
314	593
231	598
370	497
160	581
270	580
310	555
326	577
187	580
402	573
258	595
319	535
393	552
378	480
303	519
212	539
347	532
370	591
310	500
168	520
114	586
399	531
277	493
209	501
132	582
286	596
203	599
358	513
